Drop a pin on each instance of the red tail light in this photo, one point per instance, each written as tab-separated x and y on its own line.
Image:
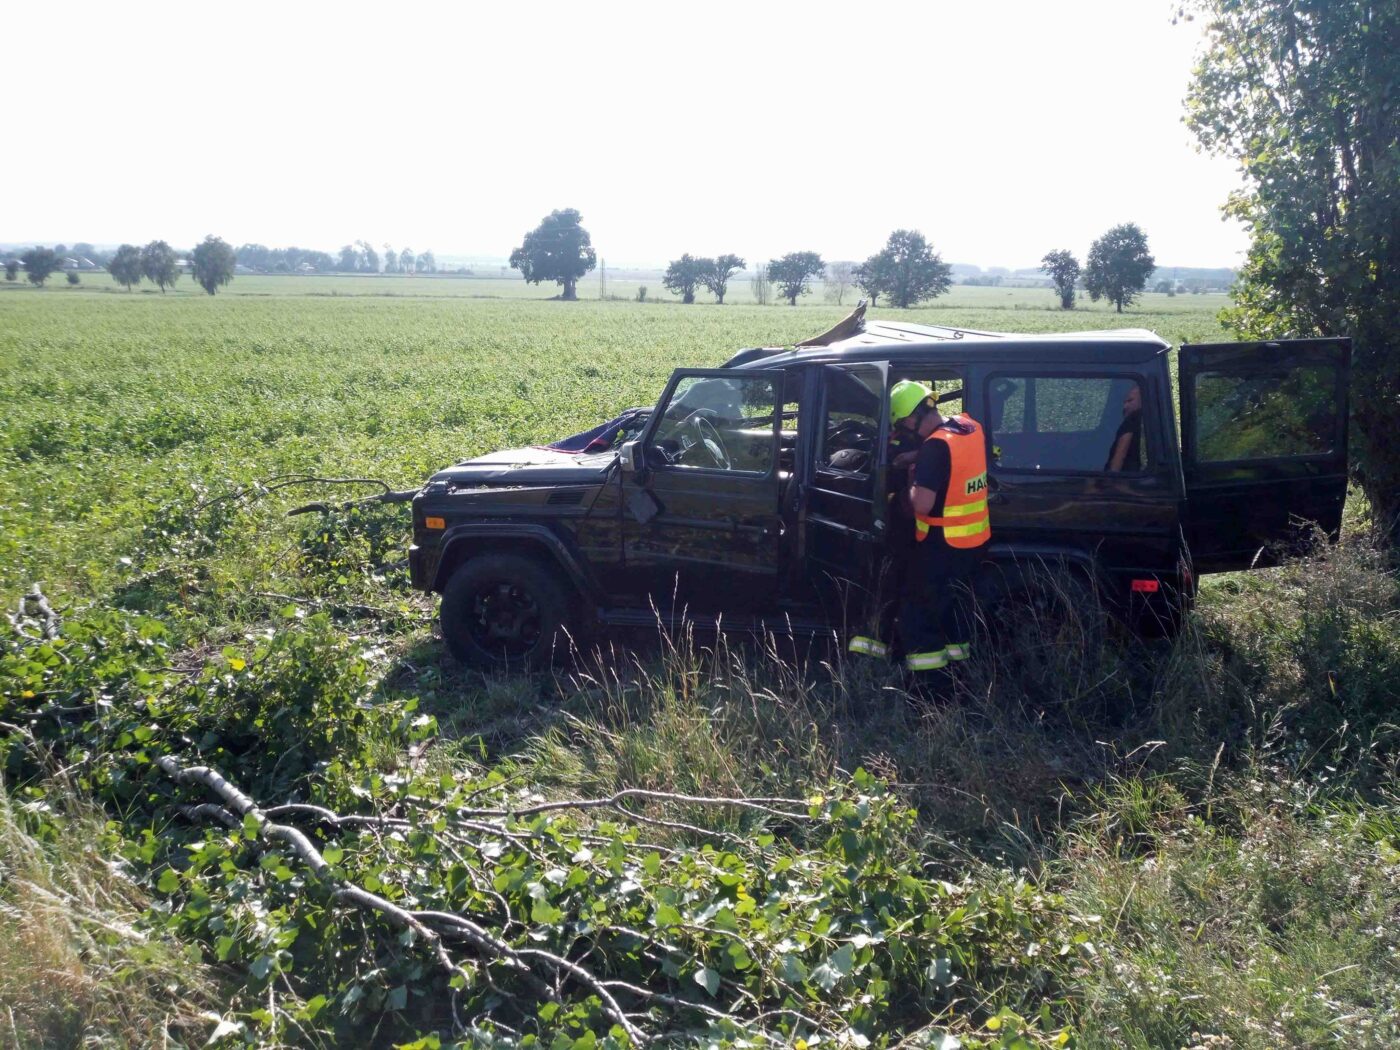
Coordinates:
1147	586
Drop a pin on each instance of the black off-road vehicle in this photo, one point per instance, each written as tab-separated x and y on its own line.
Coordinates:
754	495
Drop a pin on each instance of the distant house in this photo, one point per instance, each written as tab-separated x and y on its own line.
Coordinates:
239	269
306	268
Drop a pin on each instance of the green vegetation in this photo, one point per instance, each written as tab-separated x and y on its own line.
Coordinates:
1303	97
1135	844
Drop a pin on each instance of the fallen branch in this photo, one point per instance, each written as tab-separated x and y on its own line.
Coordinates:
614	801
285	481
43	618
431	926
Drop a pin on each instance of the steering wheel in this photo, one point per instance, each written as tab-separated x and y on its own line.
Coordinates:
709	437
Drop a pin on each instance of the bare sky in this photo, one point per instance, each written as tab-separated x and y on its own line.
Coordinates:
1000	129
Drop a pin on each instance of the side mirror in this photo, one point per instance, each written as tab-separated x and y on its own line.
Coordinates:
629	457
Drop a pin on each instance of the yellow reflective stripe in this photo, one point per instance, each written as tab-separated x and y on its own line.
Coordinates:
967	530
964	509
959	652
927	661
867	646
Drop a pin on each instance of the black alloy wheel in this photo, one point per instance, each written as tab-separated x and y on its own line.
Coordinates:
506	612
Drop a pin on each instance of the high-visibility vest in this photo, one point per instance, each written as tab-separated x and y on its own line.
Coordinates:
965	521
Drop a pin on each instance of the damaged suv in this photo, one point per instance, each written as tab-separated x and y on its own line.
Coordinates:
754	495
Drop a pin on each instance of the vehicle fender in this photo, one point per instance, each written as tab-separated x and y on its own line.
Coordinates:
463	541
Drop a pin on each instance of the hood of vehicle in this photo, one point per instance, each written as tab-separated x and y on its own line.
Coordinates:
525	467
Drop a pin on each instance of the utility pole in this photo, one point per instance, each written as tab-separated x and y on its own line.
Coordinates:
602	278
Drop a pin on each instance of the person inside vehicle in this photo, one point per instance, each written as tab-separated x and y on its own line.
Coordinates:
1126	451
946	487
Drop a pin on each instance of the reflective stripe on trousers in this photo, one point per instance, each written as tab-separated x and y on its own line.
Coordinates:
927	661
866	646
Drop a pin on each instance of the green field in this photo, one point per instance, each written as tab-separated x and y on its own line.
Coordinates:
1149	844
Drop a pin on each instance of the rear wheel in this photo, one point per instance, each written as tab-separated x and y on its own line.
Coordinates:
506	612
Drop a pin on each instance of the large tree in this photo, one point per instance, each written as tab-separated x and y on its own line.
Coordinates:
1119	266
872	277
684	275
40	264
160	265
908	270
559	249
717	273
1306	95
1063	269
793	274
125	266
213	262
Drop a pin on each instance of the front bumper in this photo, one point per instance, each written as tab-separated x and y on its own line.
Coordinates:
422	566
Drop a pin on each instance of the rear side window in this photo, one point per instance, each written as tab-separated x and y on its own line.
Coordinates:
1068	423
1264	415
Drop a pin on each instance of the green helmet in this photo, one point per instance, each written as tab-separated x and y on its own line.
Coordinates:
905	397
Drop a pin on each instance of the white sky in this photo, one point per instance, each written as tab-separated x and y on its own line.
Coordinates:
1000	129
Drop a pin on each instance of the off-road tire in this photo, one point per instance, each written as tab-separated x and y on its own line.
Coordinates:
527	593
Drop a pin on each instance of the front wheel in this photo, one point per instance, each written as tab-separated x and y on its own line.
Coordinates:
506	612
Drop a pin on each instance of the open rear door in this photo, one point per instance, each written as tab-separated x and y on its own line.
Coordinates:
1264	446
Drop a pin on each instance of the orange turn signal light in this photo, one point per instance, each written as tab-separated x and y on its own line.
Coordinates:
435	523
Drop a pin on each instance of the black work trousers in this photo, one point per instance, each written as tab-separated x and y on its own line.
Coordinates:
937	609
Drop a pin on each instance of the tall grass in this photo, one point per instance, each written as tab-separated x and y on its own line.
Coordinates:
81	964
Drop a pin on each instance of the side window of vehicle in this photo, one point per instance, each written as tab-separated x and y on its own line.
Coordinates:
852	423
1263	415
1068	423
712	423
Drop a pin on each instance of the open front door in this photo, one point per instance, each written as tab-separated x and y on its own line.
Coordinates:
1264	445
843	505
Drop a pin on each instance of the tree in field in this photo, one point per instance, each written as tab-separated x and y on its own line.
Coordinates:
213	262
427	262
872	277
908	270
1119	266
349	260
1305	94
760	284
717	272
559	249
407	260
793	274
40	264
73	277
125	266
160	265
11	269
368	257
391	260
839	276
683	276
1063	269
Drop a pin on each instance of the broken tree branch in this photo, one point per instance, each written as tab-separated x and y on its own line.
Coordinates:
431	926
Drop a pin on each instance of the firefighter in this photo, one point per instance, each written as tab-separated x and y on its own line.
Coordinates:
886	595
948	493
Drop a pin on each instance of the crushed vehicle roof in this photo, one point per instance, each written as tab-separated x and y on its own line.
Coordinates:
857	339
